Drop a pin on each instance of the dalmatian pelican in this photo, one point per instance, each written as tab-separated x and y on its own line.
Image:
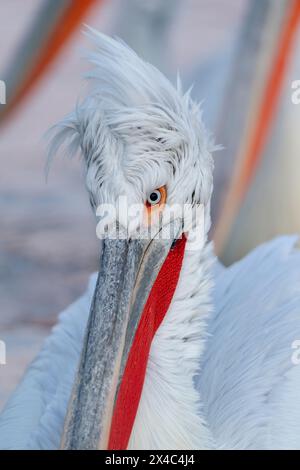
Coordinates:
167	349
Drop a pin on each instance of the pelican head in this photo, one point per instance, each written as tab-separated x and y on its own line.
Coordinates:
142	141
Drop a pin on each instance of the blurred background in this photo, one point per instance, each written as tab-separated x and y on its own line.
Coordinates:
242	57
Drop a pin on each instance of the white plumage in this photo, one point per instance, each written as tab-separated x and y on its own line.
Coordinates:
220	372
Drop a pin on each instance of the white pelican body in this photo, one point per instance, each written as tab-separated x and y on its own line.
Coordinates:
222	369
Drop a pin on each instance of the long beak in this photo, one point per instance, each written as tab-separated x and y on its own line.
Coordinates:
127	273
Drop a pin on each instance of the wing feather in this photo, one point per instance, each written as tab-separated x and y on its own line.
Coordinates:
248	382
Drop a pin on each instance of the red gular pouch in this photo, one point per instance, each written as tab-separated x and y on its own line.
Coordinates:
155	309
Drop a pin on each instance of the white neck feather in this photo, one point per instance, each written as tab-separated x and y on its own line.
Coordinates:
169	414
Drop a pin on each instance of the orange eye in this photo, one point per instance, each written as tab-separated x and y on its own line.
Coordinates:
155	203
157	197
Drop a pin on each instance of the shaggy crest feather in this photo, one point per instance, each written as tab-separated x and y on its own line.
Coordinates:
135	125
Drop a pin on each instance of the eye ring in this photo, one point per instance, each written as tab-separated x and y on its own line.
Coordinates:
154	197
